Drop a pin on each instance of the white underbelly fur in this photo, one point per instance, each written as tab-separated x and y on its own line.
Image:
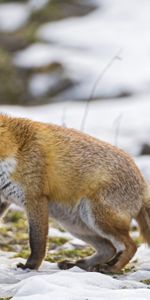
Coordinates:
79	220
10	191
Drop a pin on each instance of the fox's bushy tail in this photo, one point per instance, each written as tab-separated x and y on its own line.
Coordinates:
143	218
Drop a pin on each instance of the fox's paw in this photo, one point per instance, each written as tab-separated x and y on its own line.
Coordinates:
26	266
22	266
66	265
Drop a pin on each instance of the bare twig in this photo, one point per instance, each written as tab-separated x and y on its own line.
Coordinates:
100	76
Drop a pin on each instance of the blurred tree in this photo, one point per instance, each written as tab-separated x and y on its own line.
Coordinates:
11	84
14	82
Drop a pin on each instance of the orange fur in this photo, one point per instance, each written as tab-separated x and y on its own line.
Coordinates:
64	167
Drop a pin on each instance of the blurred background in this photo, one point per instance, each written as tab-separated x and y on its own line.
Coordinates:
56	54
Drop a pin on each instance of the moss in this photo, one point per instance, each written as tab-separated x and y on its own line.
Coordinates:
138	241
14	237
13	216
128	268
11	85
14	233
146	281
56	241
6	298
23	254
66	254
60	254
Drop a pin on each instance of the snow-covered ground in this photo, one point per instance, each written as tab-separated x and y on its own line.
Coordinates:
51	283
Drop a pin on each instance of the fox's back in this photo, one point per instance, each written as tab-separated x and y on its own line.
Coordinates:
80	164
72	164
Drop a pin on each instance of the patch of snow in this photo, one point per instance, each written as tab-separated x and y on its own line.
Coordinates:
48	83
13	16
143	163
40	84
53	232
75	284
36	55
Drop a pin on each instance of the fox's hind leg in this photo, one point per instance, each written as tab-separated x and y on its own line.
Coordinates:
103	226
124	258
114	226
82	228
104	253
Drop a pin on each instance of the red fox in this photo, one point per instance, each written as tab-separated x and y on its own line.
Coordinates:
90	187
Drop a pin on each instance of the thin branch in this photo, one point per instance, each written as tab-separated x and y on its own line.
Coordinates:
100	76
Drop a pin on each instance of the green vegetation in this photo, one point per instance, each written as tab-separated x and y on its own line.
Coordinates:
14	232
146	281
6	298
14	237
11	85
67	254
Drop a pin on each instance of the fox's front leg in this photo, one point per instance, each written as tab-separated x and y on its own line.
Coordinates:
37	212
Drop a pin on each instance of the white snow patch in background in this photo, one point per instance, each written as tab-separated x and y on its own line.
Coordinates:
40	84
85	45
143	163
92	40
36	55
13	16
53	232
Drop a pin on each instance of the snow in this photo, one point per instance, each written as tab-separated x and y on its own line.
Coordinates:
40	84
85	45
13	16
36	55
51	283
